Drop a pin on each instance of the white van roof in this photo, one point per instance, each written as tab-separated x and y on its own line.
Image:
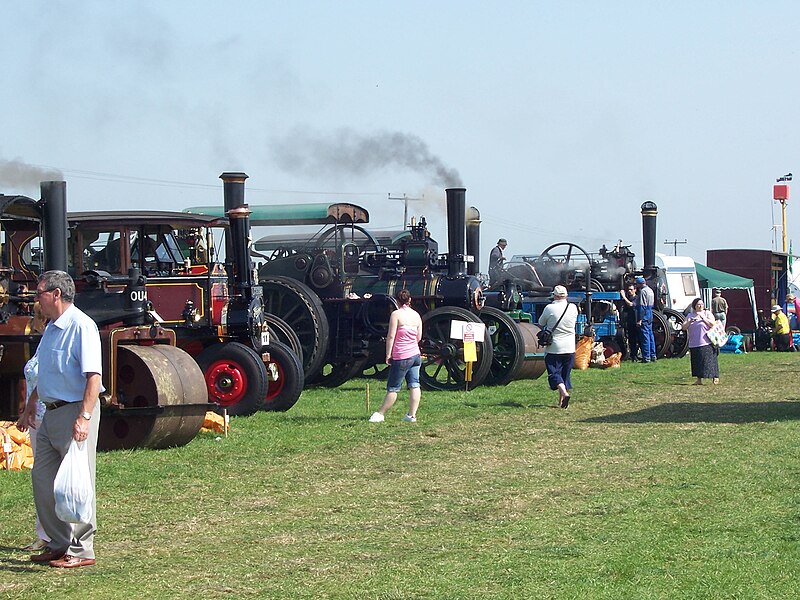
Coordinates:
674	262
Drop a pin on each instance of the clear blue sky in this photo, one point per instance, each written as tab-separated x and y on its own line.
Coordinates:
560	118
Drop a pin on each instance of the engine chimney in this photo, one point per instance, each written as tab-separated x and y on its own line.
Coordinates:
473	240
649	212
456	207
237	246
54	224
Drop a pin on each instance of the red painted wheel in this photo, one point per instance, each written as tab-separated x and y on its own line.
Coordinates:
286	389
235	376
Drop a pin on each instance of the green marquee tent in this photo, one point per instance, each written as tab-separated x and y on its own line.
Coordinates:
710	279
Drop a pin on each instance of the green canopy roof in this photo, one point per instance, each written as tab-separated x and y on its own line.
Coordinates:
317	213
712	278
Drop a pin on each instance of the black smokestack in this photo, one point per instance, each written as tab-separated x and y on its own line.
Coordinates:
456	208
237	251
649	213
54	224
473	240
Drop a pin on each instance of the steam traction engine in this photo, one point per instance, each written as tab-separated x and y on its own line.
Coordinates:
215	309
153	396
595	281
336	290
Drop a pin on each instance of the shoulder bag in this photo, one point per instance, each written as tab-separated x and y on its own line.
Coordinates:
545	335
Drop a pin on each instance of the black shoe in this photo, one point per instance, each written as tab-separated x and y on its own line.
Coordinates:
565	402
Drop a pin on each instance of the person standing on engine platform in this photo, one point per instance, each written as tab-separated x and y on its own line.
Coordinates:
496	260
70	381
719	306
645	299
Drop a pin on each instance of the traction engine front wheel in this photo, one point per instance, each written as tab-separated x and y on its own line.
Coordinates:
235	376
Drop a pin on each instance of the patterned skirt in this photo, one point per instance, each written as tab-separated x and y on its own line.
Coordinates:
704	361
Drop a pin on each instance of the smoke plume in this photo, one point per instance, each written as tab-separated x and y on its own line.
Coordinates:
17	173
348	152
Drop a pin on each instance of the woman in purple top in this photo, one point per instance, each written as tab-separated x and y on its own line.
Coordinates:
705	364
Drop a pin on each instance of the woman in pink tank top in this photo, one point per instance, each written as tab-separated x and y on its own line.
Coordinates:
403	357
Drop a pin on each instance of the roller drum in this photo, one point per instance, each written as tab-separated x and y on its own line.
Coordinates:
533	366
162	399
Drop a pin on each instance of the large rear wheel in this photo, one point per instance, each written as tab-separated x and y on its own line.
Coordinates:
300	307
662	333
680	338
334	374
443	366
283	332
508	346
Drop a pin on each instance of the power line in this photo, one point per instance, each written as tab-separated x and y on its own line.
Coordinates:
674	244
130	179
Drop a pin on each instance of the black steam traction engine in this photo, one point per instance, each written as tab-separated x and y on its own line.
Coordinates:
336	290
154	395
530	278
214	308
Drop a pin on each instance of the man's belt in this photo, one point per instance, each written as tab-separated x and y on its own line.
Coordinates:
56	404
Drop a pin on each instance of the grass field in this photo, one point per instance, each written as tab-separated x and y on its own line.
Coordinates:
646	487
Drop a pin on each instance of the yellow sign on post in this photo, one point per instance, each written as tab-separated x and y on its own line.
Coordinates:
470	352
470	334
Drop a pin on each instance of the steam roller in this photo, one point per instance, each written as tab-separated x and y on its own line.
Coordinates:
161	399
516	351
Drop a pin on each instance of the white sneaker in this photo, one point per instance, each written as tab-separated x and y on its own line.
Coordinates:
376	418
409	419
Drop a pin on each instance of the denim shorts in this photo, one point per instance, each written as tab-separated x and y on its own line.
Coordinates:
406	368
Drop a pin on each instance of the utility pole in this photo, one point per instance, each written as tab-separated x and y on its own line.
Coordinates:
405	200
781	194
675	245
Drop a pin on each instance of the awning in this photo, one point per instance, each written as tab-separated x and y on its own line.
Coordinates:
714	278
710	279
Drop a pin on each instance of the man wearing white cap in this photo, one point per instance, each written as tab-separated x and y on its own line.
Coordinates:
644	319
781	332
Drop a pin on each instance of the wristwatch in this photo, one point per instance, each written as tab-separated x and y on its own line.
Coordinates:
86	415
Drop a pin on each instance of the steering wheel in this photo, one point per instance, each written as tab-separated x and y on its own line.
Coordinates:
546	255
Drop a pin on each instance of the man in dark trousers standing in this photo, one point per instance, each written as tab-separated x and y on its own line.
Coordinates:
496	260
645	299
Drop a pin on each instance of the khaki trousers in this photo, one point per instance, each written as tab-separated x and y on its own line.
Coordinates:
52	442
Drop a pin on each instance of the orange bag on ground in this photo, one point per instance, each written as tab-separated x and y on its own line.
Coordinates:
583	352
15	448
213	422
613	361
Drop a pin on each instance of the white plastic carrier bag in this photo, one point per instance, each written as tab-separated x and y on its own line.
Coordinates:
73	486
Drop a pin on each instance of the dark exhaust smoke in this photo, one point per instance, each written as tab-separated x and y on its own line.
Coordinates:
17	173
348	152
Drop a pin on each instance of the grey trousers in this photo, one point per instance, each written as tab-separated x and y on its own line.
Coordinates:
52	442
